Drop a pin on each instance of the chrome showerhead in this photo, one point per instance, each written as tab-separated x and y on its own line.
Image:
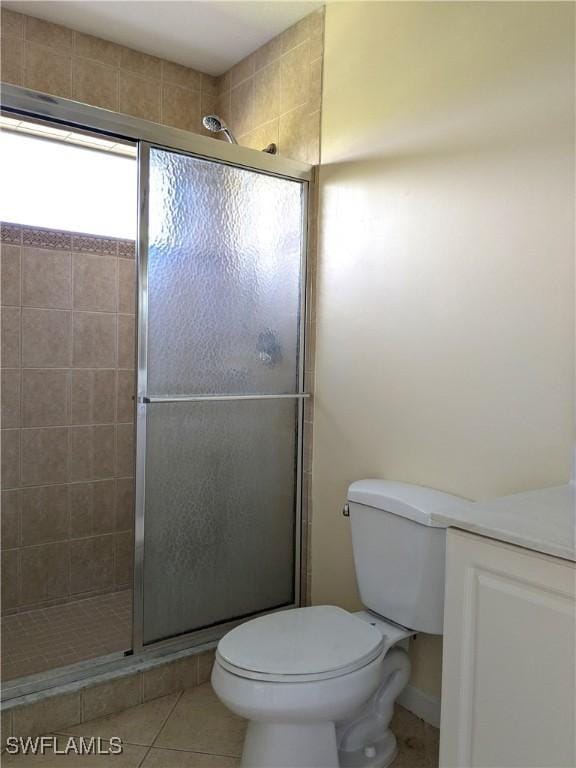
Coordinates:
215	124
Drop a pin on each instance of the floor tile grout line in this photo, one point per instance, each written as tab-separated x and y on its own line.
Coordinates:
125	741
197	752
105	739
168	716
178	749
151	747
144	756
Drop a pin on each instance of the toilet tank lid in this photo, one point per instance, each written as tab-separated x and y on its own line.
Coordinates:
414	502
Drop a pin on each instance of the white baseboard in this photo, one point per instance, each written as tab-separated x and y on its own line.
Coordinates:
421	704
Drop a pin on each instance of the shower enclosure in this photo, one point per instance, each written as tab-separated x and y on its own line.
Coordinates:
220	392
219	386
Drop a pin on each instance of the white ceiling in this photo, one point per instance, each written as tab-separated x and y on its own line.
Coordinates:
207	35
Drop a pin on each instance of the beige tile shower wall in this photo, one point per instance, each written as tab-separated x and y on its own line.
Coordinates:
273	95
68	321
54	59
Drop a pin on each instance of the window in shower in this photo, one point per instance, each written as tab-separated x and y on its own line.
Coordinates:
68	208
65	180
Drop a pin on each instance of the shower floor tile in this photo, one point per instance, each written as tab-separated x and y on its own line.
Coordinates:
47	638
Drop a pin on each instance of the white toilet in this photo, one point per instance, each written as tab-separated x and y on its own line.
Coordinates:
318	684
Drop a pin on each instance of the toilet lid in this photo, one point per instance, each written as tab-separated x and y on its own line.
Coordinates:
317	642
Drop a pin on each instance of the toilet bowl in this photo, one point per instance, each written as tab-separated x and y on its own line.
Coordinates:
317	685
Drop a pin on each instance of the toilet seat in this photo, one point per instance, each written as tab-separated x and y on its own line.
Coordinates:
300	645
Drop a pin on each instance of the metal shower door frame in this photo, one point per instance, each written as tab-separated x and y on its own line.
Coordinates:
26	103
144	400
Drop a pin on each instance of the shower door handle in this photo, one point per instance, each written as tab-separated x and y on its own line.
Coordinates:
211	398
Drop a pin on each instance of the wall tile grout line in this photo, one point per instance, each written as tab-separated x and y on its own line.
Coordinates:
80	597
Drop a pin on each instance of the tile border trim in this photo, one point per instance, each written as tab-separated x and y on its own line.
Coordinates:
63	240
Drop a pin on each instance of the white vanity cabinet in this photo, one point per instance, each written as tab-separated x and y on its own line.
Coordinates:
509	664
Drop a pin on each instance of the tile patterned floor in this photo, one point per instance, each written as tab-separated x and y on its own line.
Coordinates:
192	729
47	638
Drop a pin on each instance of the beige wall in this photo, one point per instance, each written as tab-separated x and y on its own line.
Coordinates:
445	279
273	95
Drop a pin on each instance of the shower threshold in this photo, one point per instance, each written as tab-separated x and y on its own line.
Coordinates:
100	669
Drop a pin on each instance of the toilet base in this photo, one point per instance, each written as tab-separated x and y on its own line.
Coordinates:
365	739
290	745
378	755
281	745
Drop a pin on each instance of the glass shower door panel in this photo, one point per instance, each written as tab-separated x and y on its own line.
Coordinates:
219	538
224	278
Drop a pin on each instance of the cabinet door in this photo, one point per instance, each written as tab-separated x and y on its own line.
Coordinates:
509	672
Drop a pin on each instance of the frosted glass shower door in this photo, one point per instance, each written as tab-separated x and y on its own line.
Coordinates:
220	380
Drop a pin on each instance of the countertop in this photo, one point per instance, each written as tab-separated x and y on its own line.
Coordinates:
542	520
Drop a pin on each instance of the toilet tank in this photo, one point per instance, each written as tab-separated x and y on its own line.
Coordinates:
399	544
